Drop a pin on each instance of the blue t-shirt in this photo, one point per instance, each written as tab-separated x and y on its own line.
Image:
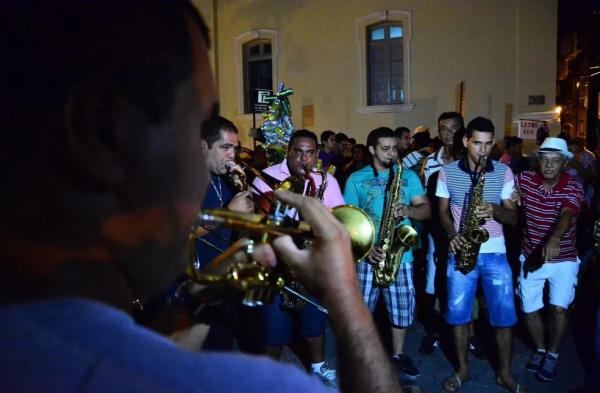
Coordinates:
218	195
366	191
76	345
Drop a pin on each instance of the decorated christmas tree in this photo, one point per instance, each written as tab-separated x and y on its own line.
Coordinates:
277	127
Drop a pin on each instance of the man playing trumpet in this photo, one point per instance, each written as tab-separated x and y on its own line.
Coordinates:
282	326
219	144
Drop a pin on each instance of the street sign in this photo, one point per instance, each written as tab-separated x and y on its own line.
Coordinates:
261	105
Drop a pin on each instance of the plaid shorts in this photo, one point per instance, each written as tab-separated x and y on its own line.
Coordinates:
399	297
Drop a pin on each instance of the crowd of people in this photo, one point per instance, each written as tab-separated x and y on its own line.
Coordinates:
113	144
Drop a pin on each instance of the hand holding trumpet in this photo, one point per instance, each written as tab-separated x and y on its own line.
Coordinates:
327	268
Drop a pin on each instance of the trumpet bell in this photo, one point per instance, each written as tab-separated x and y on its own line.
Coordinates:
359	226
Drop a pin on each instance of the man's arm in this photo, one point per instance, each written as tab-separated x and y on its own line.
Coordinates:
333	195
329	272
552	247
419	209
456	240
506	213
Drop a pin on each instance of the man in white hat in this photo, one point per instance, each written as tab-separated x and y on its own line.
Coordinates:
551	200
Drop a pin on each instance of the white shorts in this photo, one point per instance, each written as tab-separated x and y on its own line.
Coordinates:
561	277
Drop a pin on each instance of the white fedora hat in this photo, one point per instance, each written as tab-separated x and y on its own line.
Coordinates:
555	145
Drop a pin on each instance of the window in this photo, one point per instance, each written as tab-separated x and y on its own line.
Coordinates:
258	70
384	39
256	54
385	64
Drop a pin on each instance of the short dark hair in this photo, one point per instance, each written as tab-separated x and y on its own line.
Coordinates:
513	141
421	139
325	135
452	115
341	137
302	134
480	124
576	141
401	130
381	132
212	127
352	141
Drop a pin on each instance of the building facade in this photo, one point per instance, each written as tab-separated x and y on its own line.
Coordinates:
356	65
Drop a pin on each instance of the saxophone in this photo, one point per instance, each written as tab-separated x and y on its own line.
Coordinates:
393	239
472	229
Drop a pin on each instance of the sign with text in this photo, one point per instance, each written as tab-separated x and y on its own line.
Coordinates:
536	100
528	128
261	105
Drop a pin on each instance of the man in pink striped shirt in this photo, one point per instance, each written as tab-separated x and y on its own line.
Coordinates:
551	200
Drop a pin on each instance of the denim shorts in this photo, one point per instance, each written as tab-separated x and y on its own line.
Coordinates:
282	326
498	290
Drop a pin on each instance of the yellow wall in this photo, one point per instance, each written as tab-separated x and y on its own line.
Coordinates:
503	50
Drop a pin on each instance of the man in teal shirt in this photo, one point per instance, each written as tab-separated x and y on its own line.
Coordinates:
367	189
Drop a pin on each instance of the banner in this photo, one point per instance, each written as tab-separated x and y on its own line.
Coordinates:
528	129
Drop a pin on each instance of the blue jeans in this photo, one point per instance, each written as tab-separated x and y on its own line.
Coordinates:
282	326
498	290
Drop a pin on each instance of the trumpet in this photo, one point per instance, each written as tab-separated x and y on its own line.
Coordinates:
258	282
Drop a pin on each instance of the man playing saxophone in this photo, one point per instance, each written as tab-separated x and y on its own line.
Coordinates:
308	323
368	189
482	188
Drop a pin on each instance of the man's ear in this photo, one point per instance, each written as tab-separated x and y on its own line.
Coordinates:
204	144
372	150
96	121
465	140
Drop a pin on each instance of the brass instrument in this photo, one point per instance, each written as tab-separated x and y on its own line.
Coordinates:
472	227
290	300
258	282
393	240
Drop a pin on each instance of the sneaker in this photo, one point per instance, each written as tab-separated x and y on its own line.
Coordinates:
477	348
429	344
547	372
327	375
536	361
405	366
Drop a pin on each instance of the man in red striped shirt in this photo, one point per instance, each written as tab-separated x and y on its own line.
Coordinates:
551	200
